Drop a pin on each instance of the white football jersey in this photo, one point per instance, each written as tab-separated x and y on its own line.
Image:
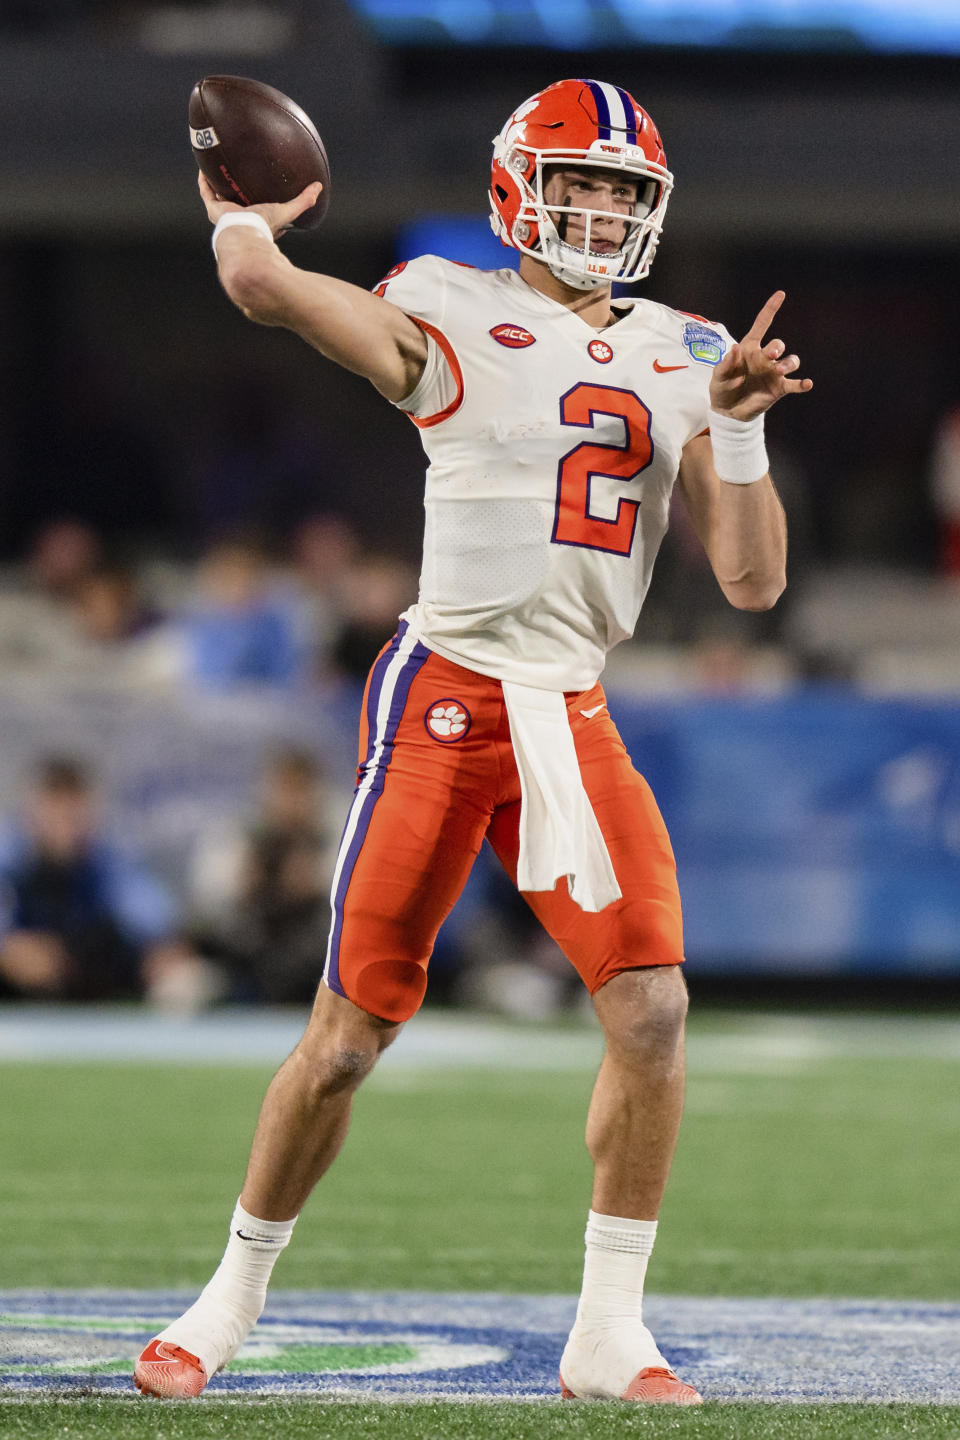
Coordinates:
553	451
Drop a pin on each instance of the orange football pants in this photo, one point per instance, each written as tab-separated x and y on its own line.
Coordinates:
436	776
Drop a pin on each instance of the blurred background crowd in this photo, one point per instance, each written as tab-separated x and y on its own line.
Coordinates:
208	532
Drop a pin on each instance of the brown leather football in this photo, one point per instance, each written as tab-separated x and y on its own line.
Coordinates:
255	145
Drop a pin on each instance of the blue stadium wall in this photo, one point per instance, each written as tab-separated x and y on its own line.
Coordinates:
814	833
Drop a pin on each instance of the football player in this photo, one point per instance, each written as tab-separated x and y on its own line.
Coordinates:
557	421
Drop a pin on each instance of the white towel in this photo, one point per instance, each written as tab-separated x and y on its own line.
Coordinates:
559	834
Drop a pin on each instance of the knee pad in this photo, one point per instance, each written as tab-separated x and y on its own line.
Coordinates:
650	934
390	989
646	935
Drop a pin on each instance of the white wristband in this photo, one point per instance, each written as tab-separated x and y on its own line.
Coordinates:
240	217
739	454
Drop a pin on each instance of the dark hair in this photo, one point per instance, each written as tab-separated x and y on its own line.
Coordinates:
63	774
294	760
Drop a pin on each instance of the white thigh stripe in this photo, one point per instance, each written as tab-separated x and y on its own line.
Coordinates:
387	690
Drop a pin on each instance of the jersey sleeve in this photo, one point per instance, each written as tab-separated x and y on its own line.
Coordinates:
419	288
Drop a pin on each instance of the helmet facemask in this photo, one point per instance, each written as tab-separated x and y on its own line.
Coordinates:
581	265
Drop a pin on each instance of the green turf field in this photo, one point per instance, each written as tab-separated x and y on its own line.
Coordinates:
800	1173
306	1420
837	1178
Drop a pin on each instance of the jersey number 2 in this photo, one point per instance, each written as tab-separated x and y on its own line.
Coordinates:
574	524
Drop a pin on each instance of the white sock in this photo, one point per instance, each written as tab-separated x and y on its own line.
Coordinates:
609	1344
252	1251
228	1307
614	1270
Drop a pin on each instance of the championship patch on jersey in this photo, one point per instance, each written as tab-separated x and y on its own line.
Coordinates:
513	336
600	351
704	344
447	720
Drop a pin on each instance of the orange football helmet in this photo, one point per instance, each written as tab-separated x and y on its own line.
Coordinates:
579	123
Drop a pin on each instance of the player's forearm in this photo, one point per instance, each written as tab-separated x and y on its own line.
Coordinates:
250	268
747	544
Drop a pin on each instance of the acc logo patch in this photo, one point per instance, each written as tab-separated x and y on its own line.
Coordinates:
600	351
513	336
447	720
704	344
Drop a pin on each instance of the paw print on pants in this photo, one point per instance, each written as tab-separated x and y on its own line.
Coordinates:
447	720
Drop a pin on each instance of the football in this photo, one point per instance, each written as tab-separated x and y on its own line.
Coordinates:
255	145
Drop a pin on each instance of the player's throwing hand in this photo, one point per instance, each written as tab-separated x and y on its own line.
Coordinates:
752	376
278	216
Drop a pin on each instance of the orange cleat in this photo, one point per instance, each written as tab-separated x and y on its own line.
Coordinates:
169	1372
661	1387
652	1386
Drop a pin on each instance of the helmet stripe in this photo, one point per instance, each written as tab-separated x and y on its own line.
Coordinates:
614	111
617	120
599	93
630	115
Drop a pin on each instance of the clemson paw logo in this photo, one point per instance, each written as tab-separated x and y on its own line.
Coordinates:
600	351
447	720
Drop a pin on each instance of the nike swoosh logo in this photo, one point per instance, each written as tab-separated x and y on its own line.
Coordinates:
160	1352
665	369
260	1239
589	714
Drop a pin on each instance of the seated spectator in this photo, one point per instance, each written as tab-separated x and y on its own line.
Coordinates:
244	630
119	636
261	885
109	608
63	553
36	629
79	920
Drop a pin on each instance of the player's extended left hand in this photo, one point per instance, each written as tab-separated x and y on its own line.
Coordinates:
752	375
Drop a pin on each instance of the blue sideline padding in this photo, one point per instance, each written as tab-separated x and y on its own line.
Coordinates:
819	832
